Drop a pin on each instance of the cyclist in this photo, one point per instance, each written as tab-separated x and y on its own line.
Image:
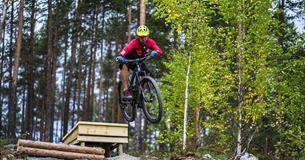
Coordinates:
137	48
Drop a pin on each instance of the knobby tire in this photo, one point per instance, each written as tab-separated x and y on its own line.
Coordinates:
128	110
151	96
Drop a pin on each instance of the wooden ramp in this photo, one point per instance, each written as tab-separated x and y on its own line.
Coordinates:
106	135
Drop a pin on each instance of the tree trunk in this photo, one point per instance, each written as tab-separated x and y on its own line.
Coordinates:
73	107
62	104
1	95
84	92
60	147
114	82
101	92
88	87
11	50
138	113
107	110
70	69
114	94
41	106
197	127
142	12
48	95
2	22
117	114
13	99
30	100
55	50
106	102
186	103
79	79
88	106
34	128
241	49
23	103
108	116
57	154
1	75
138	137
94	45
129	15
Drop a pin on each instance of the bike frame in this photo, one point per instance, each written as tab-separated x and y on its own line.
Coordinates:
138	77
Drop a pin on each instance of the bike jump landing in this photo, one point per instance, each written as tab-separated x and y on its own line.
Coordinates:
105	135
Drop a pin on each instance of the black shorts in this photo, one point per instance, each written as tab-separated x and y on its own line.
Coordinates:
133	66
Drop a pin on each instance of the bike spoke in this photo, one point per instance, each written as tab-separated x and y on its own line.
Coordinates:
152	101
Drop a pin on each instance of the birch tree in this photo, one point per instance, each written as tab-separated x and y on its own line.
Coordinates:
186	101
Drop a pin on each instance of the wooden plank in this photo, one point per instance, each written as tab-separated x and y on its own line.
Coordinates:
75	142
103	124
102	139
70	137
98	130
72	130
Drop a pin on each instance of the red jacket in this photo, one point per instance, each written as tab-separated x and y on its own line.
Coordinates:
135	48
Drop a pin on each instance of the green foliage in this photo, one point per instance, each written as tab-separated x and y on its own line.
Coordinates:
219	63
288	101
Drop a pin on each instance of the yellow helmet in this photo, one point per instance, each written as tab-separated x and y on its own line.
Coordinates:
142	31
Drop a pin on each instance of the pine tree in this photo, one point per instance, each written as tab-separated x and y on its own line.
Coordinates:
30	78
3	19
13	99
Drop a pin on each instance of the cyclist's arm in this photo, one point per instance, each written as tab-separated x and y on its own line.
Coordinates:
153	46
127	48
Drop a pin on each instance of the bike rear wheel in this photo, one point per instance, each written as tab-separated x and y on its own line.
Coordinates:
127	108
152	101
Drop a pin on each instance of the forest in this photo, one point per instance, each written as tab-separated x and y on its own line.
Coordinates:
231	76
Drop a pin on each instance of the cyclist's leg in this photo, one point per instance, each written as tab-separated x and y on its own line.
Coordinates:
124	71
124	75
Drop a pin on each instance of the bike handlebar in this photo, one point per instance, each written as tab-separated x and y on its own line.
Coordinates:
138	60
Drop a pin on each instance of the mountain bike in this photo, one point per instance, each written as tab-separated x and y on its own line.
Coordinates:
145	92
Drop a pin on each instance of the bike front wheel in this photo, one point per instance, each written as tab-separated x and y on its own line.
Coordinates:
151	100
127	107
